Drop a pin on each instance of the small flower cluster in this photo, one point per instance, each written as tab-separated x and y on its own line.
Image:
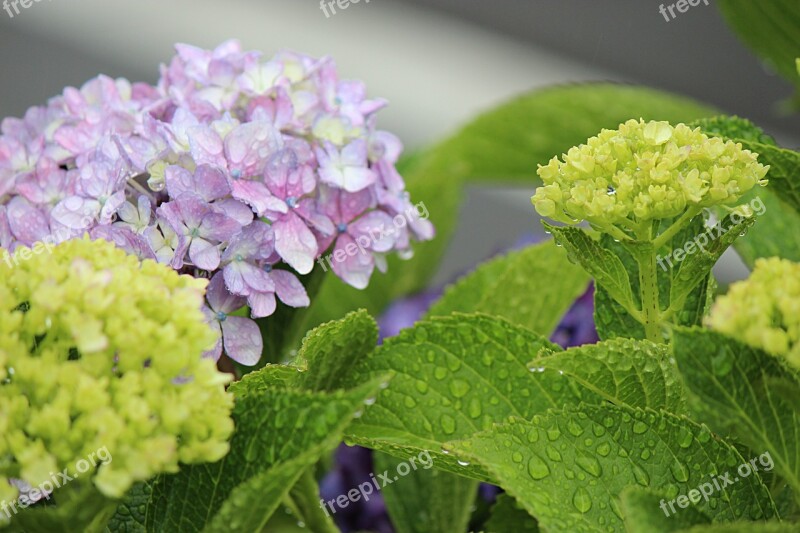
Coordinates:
764	310
233	165
98	351
644	171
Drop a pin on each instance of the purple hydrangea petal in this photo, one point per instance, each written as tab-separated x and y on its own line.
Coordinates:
242	340
295	243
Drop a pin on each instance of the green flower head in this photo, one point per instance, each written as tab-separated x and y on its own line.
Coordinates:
644	171
100	351
764	310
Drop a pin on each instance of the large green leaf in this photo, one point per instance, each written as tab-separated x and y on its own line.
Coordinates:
533	287
771	28
503	145
459	375
509	517
744	392
642	509
568	468
279	434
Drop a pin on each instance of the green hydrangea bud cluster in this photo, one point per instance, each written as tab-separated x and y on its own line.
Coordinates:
764	310
99	350
645	171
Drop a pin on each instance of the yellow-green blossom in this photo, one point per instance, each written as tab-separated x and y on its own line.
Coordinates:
764	310
99	350
644	171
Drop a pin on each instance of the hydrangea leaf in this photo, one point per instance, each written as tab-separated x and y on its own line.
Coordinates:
568	468
696	267
426	501
131	515
331	349
745	527
456	376
605	267
509	517
771	29
533	287
279	434
744	392
634	373
500	146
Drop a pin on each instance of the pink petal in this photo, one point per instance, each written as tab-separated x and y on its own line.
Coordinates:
289	289
206	146
257	195
378	228
211	183
295	243
242	340
248	146
219	297
204	254
235	209
27	223
355	269
262	304
245	279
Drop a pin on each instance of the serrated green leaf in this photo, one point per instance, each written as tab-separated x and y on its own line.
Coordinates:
503	145
509	517
569	468
771	29
426	500
605	267
744	392
456	376
279	434
533	288
695	268
331	349
627	372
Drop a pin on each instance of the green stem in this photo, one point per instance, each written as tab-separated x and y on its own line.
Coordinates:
648	286
676	227
305	503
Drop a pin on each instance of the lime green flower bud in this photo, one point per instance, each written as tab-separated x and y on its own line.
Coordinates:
644	171
764	310
100	351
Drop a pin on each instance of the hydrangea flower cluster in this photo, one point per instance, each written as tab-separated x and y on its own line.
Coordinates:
234	166
644	171
99	351
763	310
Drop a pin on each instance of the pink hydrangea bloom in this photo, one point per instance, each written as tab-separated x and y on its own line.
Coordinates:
234	166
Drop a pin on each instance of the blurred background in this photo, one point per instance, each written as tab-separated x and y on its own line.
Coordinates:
438	62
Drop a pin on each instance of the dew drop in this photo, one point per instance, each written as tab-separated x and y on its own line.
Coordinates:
462	463
590	465
537	468
582	500
552	453
448	424
459	388
679	471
